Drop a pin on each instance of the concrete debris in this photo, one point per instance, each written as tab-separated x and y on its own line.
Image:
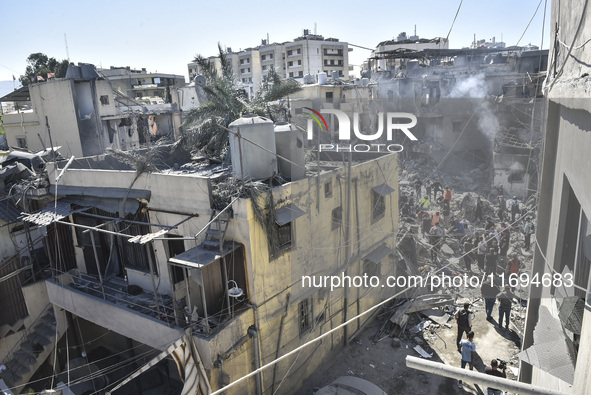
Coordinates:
422	352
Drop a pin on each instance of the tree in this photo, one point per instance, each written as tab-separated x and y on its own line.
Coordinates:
226	103
39	64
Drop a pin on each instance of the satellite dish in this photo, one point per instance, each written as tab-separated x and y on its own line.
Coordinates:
200	80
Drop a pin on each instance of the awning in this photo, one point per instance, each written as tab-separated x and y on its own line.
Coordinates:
288	213
199	257
550	352
379	253
21	94
53	212
383	190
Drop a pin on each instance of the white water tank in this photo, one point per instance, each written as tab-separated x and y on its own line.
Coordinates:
290	145
249	160
309	79
321	78
335	75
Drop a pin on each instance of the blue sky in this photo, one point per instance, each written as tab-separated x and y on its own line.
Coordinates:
164	36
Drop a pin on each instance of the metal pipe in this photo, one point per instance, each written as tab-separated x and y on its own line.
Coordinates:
257	358
95	229
279	339
214	218
98	266
500	383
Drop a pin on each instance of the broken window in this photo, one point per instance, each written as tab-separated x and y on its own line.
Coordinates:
305	315
378	206
337	217
104	100
21	142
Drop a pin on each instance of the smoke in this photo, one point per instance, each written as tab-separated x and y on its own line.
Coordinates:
471	87
475	87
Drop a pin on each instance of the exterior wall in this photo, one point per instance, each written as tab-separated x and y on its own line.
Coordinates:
59	105
317	249
566	158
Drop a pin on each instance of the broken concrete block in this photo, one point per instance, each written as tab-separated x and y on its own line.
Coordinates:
418	340
447	249
395	342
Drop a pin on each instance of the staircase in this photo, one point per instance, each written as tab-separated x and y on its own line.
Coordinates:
37	344
216	232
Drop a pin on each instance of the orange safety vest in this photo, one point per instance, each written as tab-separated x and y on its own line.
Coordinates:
447	194
436	218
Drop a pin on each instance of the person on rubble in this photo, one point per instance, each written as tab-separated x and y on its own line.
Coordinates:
528	229
447	195
506	300
489	290
436	218
468	350
468	246
424	203
436	234
467	227
436	185
515	209
425	217
489	224
500	191
494	371
481	252
457	228
418	184
503	249
464	322
513	267
492	257
502	207
478	214
411	204
428	188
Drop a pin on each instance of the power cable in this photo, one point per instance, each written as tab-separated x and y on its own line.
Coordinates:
454	21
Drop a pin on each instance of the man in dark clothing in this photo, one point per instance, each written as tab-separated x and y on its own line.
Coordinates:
468	254
503	249
505	301
489	292
514	209
436	188
418	185
428	189
528	230
464	320
492	256
481	252
494	371
502	208
435	234
478	216
489	224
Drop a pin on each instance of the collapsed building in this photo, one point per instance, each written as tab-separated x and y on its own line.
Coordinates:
141	252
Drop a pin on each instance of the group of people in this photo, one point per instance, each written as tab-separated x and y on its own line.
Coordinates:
467	347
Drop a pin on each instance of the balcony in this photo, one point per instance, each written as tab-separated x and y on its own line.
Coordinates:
112	306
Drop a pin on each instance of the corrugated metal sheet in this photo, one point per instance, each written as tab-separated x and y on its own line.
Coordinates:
383	189
12	301
53	212
288	213
379	253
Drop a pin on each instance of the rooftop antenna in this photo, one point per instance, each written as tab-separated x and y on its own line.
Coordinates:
67	51
314	28
415	30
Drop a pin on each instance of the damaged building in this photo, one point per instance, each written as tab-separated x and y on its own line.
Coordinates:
84	115
142	255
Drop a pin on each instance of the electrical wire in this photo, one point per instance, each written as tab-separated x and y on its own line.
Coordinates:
454	21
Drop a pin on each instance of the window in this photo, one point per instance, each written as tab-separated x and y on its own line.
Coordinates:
264	57
104	100
298	51
305	315
457	126
299	62
328	189
21	142
265	68
284	235
289	64
371	268
326	62
271	56
289	53
337	217
290	75
300	74
328	97
378	206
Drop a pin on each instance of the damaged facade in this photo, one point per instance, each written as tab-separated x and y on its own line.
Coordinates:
141	258
558	333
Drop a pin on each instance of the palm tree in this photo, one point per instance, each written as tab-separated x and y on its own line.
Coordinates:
226	103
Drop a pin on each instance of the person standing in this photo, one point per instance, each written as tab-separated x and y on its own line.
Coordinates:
489	292
481	252
428	189
478	216
503	249
505	302
528	230
424	203
468	253
436	233
418	185
468	350
514	209
447	195
436	188
502	207
464	321
494	371
492	257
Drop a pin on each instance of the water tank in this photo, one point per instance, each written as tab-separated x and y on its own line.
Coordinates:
321	78
290	145
250	160
309	79
335	75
